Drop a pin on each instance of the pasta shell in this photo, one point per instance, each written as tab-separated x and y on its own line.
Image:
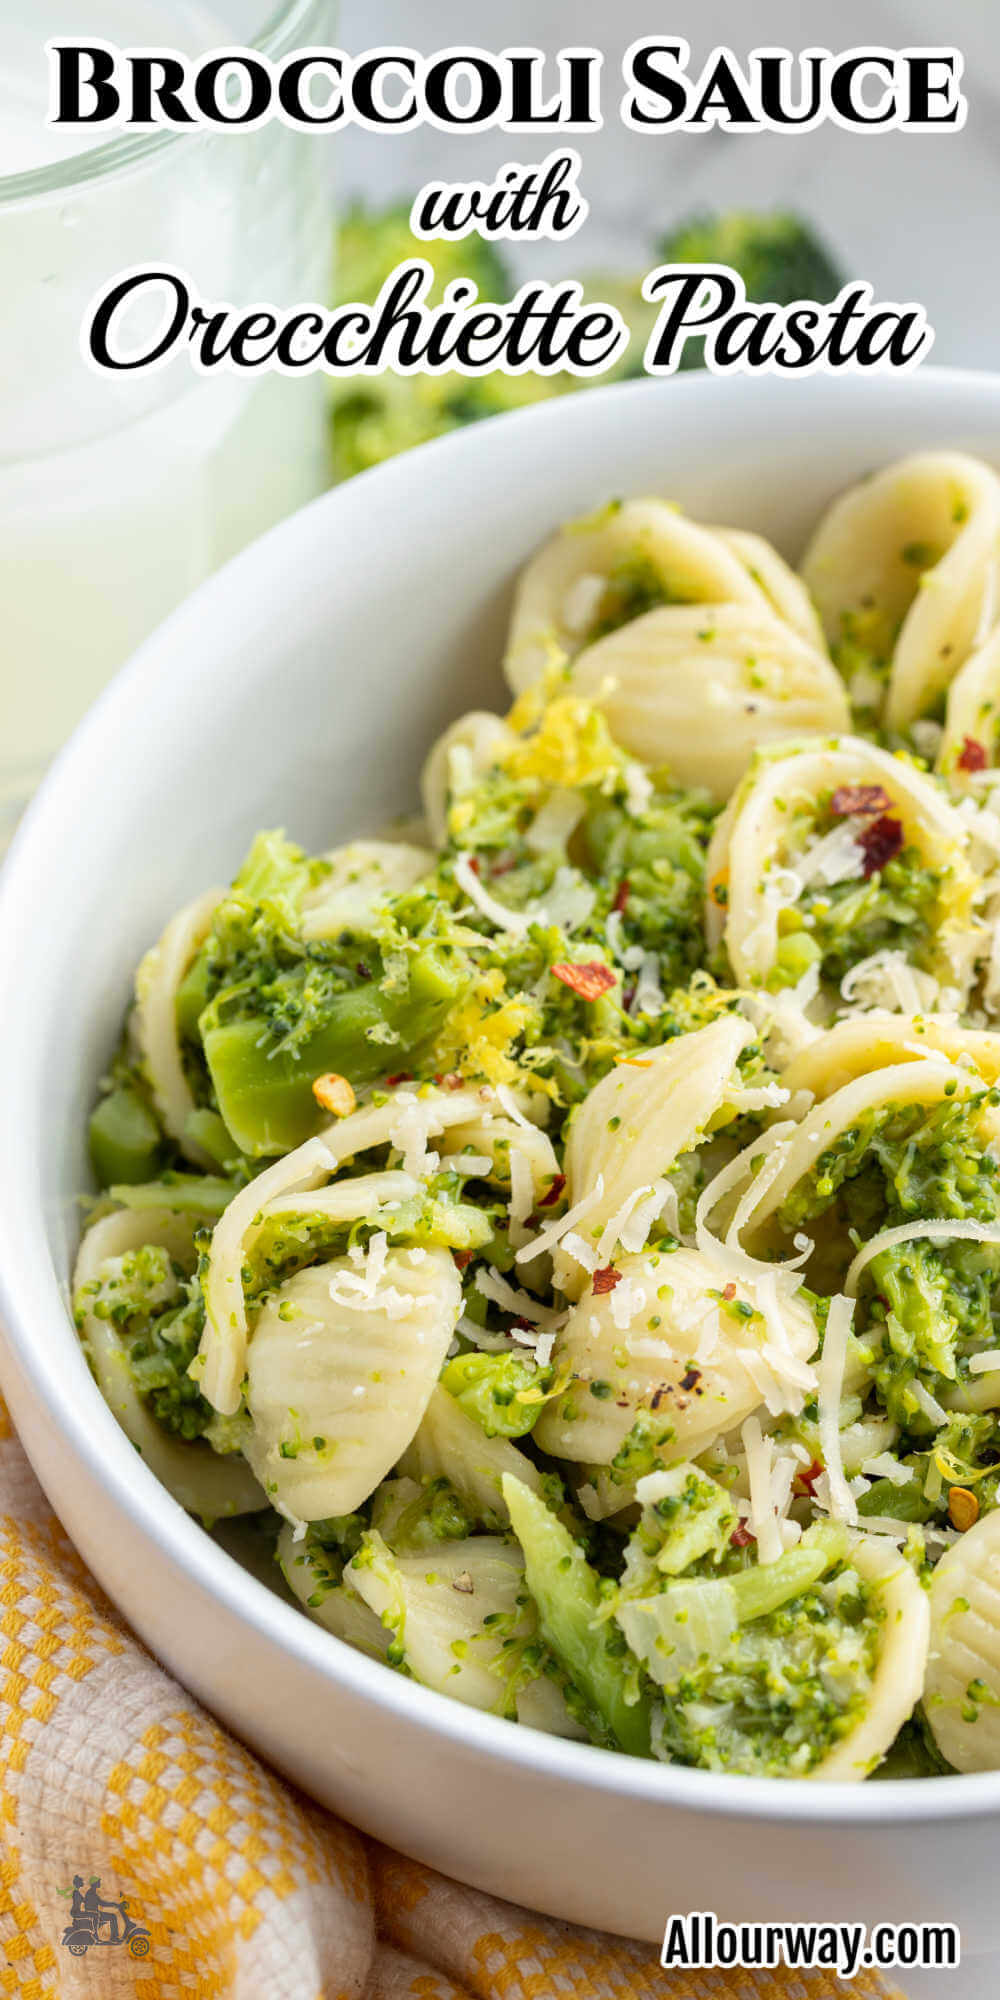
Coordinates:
972	714
918	1082
632	1126
877	1041
337	1608
459	761
154	1023
899	1667
663	1323
559	594
220	1362
362	875
435	1604
962	1689
208	1483
449	1444
699	691
912	555
340	1369
785	592
750	858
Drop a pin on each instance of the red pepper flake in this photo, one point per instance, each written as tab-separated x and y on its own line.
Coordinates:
524	1325
556	1186
606	1279
741	1537
730	1291
880	843
621	899
401	1076
864	799
805	1482
504	865
463	1258
589	981
474	863
691	1378
972	756
454	1080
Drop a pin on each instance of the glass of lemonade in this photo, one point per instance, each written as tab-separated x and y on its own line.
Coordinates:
119	493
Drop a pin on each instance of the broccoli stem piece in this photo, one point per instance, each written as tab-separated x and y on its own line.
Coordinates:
763	1589
126	1143
265	1094
568	1597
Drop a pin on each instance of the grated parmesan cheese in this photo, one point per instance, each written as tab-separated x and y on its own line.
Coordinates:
554	1232
516	922
887	1466
831	858
830	1383
495	1288
942	1231
926	1402
632	1222
763	1519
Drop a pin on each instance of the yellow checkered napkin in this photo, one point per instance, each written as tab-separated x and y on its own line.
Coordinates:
236	1885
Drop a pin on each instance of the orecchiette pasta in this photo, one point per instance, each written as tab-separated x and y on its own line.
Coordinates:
917	1084
785	592
154	1024
361	876
459	1621
340	1370
970	740
579	1236
962	1689
904	566
803	824
459	760
631	1129
668	1342
450	1445
597	574
312	1579
205	1482
900	1665
699	690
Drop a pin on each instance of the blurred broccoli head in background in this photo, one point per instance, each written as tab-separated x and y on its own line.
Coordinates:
777	255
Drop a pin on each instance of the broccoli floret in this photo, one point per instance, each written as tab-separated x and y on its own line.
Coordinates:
778	257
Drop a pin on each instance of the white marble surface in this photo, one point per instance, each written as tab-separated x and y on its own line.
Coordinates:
915	215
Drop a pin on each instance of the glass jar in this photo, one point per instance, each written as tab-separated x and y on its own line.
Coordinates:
119	493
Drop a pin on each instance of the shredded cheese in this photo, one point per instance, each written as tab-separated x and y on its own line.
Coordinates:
516	922
830	1383
763	1519
555	1231
492	1286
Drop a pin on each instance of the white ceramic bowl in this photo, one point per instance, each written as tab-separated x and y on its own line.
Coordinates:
302	687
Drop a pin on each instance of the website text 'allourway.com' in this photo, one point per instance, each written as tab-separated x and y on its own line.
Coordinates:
701	1939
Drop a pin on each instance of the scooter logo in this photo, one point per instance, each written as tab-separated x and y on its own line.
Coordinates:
101	1920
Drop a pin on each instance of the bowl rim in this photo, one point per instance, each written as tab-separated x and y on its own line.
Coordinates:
29	1295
